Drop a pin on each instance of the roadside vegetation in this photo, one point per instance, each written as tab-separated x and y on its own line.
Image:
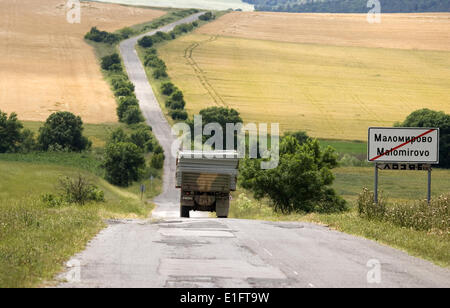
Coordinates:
170	97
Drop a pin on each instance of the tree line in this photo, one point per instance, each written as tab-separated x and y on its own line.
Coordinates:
350	6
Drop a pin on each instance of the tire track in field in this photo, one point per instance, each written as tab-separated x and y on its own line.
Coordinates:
328	121
364	107
218	100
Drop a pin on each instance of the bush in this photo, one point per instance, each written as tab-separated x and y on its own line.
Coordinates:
178	115
133	115
142	137
206	16
177	96
301	181
159	73
123	92
368	208
430	118
175	105
124	163
102	36
108	62
79	190
146	41
157	161
63	130
10	133
124	104
417	215
167	88
126	32
28	143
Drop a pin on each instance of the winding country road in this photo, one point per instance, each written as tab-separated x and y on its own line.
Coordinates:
167	251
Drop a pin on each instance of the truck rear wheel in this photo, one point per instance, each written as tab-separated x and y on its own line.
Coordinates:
222	216
184	211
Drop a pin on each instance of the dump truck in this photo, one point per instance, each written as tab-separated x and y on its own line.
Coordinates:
206	179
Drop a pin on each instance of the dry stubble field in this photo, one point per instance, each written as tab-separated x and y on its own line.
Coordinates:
332	75
45	64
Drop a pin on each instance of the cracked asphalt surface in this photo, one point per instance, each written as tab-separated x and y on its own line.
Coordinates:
167	251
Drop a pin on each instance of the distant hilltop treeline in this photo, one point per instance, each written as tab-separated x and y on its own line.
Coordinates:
350	6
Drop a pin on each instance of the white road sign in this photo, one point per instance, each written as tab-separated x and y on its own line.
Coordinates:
403	145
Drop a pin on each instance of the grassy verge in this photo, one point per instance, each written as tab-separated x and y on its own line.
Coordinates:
399	186
35	239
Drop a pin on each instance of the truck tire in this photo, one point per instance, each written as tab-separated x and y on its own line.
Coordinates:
184	211
222	216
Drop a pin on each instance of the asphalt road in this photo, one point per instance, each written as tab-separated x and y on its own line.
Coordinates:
167	251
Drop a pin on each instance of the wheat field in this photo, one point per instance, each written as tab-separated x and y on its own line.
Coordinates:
330	90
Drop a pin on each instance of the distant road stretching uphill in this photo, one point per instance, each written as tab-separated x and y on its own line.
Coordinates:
206	252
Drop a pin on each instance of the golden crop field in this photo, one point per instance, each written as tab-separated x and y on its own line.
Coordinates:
329	85
45	65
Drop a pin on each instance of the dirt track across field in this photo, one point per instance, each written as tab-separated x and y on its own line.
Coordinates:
45	65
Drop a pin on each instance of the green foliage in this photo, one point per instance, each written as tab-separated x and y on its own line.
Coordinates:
178	114
63	130
10	133
146	41
126	33
300	183
123	92
430	118
301	136
124	104
102	36
79	190
111	62
124	163
143	138
159	73
157	161
167	88
368	208
417	215
133	115
206	16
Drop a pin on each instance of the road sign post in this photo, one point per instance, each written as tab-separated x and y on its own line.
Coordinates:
400	148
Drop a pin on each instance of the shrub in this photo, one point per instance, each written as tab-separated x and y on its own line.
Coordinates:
146	41
101	36
177	96
142	137
79	190
159	73
124	104
64	130
123	92
178	115
10	133
300	183
175	105
430	118
124	163
118	135
206	16
157	161
133	115
108	62
368	208
167	88
126	32
119	84
28	143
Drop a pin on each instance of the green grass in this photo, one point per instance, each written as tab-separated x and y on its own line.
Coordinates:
35	240
396	185
354	148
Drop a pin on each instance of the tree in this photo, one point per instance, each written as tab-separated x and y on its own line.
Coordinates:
167	88
124	104
10	133
300	183
108	62
301	136
430	118
63	130
124	163
146	41
157	161
142	137
133	115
